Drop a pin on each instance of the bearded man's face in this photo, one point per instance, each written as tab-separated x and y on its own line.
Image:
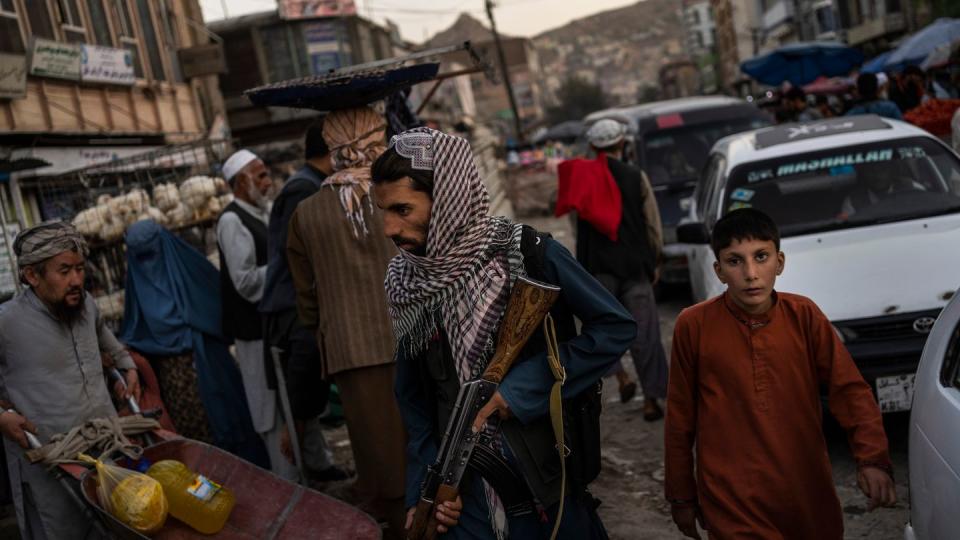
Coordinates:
58	281
406	214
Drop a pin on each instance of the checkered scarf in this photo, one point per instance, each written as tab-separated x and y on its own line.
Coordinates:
463	283
471	262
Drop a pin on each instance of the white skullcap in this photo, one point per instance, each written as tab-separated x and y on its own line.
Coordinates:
882	79
239	160
606	133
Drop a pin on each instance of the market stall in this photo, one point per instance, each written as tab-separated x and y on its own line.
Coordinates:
176	186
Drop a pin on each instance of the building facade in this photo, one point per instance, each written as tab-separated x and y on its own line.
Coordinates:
264	48
874	25
737	23
88	81
701	42
527	76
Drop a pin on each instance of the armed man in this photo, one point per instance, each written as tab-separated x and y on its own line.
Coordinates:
447	291
52	341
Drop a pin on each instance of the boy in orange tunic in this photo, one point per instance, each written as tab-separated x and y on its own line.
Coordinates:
745	376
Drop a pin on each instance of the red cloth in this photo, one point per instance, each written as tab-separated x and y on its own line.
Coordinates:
586	185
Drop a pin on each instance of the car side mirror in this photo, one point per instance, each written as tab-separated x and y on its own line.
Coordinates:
693	233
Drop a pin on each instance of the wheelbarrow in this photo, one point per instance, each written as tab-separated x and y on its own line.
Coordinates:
267	506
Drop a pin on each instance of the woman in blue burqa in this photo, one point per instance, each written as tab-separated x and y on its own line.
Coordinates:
172	316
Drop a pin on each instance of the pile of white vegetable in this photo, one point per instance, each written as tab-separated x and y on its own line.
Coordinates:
197	198
111	305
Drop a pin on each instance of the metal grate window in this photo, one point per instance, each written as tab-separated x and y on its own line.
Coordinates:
99	22
71	22
150	40
38	15
11	41
127	34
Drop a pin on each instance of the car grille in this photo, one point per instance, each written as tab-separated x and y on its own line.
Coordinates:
887	328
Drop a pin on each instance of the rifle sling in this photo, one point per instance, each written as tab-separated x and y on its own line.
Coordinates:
556	411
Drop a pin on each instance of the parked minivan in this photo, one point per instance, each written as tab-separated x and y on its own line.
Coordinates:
869	212
670	141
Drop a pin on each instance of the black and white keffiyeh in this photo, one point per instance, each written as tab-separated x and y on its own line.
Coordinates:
463	282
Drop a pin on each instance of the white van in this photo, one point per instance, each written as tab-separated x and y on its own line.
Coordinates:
869	214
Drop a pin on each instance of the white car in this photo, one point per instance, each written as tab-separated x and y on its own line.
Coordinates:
869	214
934	444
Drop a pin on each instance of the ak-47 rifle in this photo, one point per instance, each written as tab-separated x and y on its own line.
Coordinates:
529	302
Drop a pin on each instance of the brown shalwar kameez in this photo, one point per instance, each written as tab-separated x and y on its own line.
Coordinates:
745	391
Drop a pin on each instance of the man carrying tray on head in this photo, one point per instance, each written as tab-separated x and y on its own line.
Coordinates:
51	372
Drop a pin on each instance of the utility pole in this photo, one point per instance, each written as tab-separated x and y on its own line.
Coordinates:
518	128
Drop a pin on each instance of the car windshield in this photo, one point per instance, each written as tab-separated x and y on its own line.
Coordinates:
678	154
849	186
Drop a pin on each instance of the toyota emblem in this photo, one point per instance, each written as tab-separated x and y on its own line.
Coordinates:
923	325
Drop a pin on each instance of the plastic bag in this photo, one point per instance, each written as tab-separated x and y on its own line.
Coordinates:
134	498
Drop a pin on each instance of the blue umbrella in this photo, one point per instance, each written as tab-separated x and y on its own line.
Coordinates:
917	47
875	65
802	63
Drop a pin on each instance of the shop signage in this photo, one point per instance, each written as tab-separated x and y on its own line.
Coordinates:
206	59
13	76
303	9
54	59
323	45
106	65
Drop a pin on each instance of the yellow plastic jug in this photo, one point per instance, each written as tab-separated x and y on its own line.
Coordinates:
194	499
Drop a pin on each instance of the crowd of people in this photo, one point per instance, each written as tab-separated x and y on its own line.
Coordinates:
378	268
888	95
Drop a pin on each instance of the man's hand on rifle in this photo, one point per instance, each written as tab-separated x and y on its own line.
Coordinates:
496	405
448	515
132	379
12	425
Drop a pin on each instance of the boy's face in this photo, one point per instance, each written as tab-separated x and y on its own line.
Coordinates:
749	268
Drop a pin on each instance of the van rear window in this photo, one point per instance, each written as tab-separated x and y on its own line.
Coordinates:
678	154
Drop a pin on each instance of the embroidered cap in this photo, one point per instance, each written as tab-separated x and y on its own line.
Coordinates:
606	133
417	146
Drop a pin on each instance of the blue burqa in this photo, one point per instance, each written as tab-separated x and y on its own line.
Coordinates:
172	307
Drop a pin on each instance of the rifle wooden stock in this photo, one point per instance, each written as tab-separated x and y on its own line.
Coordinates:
425	523
418	529
529	302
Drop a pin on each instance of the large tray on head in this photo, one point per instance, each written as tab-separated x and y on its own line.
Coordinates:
341	90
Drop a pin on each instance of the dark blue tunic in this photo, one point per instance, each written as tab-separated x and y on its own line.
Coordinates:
607	330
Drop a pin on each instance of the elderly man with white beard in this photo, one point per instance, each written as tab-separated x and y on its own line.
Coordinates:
242	239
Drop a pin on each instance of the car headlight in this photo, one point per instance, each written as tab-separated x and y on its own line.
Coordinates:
845	334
